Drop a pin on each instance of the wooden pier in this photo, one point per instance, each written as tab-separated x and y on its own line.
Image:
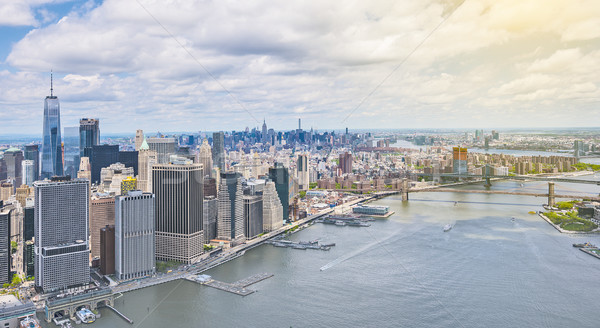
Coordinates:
238	287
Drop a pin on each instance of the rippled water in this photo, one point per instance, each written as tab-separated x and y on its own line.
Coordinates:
488	271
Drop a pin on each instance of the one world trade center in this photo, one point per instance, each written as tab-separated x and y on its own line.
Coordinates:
52	159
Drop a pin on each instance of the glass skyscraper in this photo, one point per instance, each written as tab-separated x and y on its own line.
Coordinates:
71	150
89	135
52	159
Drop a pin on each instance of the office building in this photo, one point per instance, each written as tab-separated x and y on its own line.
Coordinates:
459	160
61	233
5	219
52	156
7	189
129	159
22	194
85	169
218	150
230	222
29	175
210	187
264	134
345	163
302	171
107	249
13	157
28	258
134	235
28	222
204	157
139	138
146	158
102	213
281	176
272	209
164	147
89	135
128	184
102	156
179	193
32	153
209	218
253	216
71	150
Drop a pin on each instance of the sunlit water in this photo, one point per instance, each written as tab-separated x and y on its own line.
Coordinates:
488	271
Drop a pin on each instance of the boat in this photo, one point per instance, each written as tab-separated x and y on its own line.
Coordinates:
85	315
513	219
455	203
29	322
447	227
583	245
340	223
531	212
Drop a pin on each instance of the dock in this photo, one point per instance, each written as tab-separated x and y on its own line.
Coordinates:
303	245
119	314
238	287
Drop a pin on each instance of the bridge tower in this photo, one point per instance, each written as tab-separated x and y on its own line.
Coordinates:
404	190
551	201
486	173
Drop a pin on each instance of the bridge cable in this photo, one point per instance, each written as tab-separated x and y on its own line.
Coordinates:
159	303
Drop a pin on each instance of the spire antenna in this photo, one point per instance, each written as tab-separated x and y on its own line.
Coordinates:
51	85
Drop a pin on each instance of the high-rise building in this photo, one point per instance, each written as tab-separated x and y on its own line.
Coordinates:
102	214
204	157
5	218
230	222
272	209
32	153
209	218
85	169
103	156
71	150
89	135
13	157
61	233
28	222
164	147
129	159
459	160
29	175
218	151
302	170
22	194
146	158
28	258
128	184
210	187
139	138
345	163
264	135
7	189
179	192
253	215
52	158
281	176
134	235
107	250
112	176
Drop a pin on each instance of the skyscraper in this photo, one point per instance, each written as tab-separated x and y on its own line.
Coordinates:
102	213
13	158
253	215
89	135
146	158
459	160
5	213
265	137
345	163
139	138
103	156
134	235
209	218
230	222
218	151
204	157
29	175
272	209
281	176
52	159
32	153
164	147
179	192
61	233
71	150
302	167
107	249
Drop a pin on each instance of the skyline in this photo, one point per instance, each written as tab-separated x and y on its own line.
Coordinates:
489	65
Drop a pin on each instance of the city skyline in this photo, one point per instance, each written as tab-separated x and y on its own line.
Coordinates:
509	64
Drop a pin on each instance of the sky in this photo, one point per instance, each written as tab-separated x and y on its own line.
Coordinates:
183	65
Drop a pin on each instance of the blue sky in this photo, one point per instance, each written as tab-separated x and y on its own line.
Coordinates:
490	64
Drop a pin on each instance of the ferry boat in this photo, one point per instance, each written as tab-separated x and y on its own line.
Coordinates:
340	223
583	245
29	322
85	315
447	227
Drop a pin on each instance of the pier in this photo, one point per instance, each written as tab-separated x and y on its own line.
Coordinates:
119	314
238	287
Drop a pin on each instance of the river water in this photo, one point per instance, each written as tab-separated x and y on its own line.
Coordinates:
488	271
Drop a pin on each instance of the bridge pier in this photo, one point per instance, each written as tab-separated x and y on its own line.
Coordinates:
404	190
551	200
488	183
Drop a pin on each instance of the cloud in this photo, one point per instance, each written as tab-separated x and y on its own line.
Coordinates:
312	59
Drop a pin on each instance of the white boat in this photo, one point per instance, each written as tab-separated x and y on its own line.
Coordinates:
85	315
447	227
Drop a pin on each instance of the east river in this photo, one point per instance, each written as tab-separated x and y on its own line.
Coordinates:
488	271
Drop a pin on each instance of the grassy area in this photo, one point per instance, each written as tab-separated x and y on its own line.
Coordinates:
312	185
586	166
566	205
571	221
162	266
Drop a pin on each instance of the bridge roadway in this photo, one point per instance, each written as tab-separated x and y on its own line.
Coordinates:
504	192
507	177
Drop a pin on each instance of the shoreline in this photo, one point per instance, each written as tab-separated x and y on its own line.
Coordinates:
561	230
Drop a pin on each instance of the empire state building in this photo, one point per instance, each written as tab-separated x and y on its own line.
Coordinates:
52	159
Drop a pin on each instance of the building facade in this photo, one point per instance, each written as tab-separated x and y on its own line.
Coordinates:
253	216
89	135
164	148
134	235
52	156
272	208
209	219
204	157
102	214
146	158
230	222
218	150
107	250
